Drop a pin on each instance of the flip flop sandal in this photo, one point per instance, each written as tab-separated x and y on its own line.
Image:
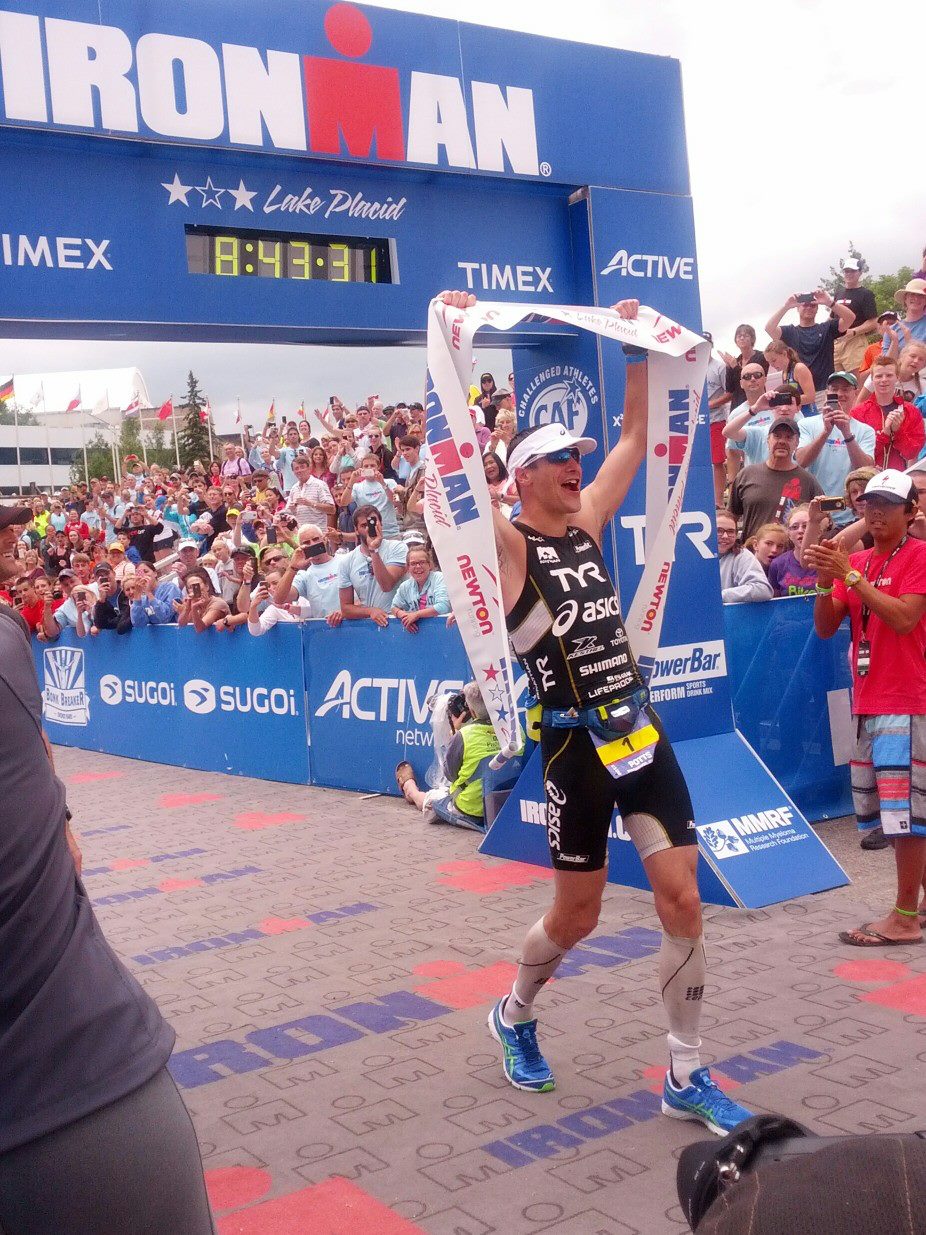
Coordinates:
403	772
865	937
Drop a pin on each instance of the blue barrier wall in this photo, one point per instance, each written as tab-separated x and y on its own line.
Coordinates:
227	702
786	683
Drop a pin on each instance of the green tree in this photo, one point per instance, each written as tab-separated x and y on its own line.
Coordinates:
130	437
99	459
193	436
158	449
885	285
8	417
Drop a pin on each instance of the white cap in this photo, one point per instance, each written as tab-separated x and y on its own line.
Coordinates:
893	485
547	440
851	263
188	544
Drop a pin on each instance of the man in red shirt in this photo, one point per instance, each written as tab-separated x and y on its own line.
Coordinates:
33	597
899	429
883	590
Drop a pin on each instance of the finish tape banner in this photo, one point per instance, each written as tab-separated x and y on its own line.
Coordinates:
458	507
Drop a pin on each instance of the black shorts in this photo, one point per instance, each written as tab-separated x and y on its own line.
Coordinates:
581	795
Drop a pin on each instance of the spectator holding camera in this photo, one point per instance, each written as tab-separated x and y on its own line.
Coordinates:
143	530
312	575
741	577
366	487
151	603
812	340
767	492
834	442
370	574
785	366
849	348
422	594
310	499
201	605
111	611
882	590
747	431
898	425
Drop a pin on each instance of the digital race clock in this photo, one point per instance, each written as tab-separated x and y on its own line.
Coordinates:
283	255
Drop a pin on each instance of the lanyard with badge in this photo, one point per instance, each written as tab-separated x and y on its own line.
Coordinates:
863	653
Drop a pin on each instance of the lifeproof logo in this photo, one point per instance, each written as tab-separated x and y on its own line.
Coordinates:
650	266
562	395
100	79
64	698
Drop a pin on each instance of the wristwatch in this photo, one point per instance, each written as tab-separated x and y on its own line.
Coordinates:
853	578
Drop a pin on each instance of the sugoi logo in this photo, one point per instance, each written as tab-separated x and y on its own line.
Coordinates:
199	696
110	689
102	80
64	697
562	395
650	265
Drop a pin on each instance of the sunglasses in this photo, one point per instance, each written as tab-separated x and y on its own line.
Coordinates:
272	560
753	377
562	456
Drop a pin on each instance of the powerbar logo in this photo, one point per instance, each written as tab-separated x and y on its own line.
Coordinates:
98	78
650	266
689	662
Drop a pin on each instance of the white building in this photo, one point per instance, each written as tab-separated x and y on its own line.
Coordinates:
41	455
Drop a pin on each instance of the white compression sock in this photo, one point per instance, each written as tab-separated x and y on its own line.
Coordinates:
540	957
682	974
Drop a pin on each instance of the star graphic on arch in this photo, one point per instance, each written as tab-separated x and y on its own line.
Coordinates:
502	714
211	194
491	673
243	196
176	191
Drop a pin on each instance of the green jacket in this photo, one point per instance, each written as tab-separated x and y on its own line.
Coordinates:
479	742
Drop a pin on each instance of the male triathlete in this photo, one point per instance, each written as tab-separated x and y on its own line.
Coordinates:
566	629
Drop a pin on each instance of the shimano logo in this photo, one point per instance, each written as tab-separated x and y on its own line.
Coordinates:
650	266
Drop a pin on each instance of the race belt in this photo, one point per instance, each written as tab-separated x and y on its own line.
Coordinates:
614	719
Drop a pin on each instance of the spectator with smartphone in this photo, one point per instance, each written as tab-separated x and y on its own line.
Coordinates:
263	613
313	575
823	510
784	365
833	442
849	348
201	605
898	425
742	579
767	492
812	340
882	591
367	487
310	499
151	603
370	574
111	611
423	593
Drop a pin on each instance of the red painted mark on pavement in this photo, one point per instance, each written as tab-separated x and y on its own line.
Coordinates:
127	864
232	1186
658	1075
85	778
334	1207
908	996
177	885
478	876
169	800
279	926
871	970
459	987
253	821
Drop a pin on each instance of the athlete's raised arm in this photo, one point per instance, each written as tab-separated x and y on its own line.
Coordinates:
604	495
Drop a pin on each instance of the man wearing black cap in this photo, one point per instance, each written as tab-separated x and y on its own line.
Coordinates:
768	492
849	348
565	626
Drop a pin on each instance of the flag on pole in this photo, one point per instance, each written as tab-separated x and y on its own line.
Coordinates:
134	408
205	412
74	403
101	405
272	414
301	412
166	410
238	412
6	389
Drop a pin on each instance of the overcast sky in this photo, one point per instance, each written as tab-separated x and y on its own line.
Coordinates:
797	144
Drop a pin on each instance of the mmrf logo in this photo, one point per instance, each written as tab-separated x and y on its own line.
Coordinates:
650	266
562	395
199	696
730	838
64	699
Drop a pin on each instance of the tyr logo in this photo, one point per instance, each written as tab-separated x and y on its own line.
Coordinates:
588	570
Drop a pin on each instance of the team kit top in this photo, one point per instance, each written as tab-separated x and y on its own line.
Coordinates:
566	627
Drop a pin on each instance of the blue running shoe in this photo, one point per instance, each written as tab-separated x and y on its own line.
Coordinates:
524	1065
703	1101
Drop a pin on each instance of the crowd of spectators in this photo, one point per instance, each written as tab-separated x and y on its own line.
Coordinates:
799	427
286	526
291	524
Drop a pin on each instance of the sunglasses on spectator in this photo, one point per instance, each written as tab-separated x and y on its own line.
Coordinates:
271	560
753	375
